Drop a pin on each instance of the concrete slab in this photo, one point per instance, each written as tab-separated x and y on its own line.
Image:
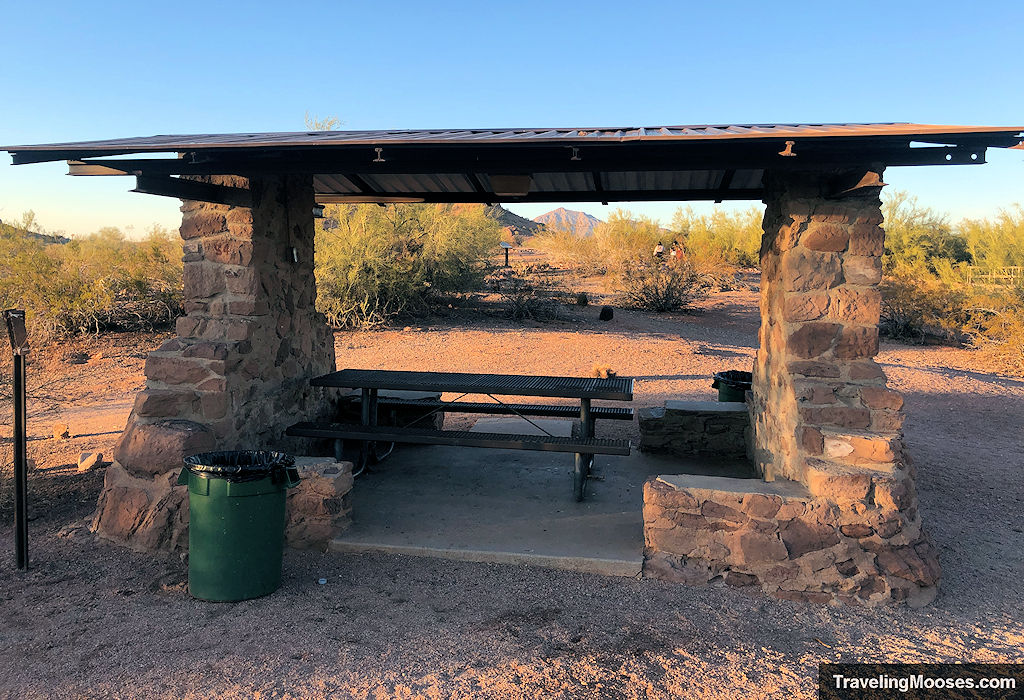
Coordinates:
509	506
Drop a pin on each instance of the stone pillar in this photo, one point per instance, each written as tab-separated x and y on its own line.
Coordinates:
815	379
238	372
839	520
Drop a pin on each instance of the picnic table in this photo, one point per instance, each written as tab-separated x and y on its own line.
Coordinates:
582	442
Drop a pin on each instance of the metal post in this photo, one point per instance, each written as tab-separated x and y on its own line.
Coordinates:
20	466
19	344
506	257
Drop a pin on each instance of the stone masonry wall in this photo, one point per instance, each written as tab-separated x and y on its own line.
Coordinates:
238	372
320	507
862	547
716	429
817	391
821	262
825	425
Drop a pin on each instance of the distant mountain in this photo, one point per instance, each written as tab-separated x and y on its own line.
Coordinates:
580	223
18	232
517	225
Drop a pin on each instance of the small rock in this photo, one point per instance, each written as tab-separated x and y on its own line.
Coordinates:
61	431
407	329
77	358
607	313
88	460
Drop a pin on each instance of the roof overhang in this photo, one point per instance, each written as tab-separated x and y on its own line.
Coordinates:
524	165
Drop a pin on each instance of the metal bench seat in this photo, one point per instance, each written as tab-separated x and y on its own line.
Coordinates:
525	409
460	438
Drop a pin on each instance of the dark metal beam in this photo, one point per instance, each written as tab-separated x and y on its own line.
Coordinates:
419	160
598	185
474	181
363	186
191	190
580	196
723	186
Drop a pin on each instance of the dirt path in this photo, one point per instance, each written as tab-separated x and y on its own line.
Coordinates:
92	620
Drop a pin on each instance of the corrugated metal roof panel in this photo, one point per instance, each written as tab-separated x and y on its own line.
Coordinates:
442	182
562	182
337	184
663	180
175	143
745	179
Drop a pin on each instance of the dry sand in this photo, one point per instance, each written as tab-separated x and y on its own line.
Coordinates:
94	620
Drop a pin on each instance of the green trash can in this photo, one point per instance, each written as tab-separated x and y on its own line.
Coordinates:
732	385
236	522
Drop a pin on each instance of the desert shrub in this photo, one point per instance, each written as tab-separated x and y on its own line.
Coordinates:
917	304
625	240
996	328
373	263
99	282
917	235
569	251
996	243
659	287
720	240
523	301
925	292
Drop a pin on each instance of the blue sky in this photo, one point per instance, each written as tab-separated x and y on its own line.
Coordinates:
83	70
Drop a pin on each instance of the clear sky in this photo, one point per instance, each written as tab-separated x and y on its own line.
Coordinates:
90	70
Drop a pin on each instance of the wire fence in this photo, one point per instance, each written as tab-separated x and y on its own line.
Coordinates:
1000	276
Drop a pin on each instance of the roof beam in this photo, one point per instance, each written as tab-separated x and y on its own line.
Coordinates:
560	196
362	185
420	160
191	190
598	185
723	186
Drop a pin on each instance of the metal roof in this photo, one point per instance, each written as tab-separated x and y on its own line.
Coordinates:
521	165
187	142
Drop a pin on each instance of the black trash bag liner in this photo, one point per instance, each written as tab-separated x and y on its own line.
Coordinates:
734	379
240	465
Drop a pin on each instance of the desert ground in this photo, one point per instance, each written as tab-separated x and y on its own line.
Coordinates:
90	619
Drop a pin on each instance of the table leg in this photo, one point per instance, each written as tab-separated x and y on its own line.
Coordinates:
583	461
367	418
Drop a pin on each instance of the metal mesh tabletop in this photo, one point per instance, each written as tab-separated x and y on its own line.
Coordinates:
615	389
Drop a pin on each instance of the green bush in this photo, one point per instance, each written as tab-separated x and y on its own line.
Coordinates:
570	251
715	245
998	243
722	239
99	282
916	235
373	262
917	304
657	287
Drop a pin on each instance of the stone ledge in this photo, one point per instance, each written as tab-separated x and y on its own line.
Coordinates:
861	545
319	508
706	406
781	487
